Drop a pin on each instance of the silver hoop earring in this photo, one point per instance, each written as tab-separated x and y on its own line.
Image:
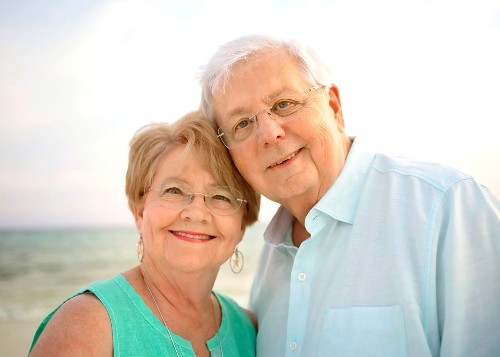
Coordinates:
236	261
140	249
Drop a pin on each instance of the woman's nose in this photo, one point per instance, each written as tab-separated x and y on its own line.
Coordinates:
196	209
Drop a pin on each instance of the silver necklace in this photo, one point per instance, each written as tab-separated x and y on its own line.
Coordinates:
168	330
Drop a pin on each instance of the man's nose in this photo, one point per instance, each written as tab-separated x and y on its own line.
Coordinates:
269	128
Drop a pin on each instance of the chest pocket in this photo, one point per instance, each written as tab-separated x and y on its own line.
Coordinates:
364	331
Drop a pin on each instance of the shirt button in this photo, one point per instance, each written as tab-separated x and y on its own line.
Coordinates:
302	276
293	346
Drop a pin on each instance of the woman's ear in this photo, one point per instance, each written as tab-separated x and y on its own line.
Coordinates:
138	211
243	229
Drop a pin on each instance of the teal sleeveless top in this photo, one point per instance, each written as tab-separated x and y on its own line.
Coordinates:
137	331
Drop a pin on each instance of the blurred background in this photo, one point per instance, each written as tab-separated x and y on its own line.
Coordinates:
417	78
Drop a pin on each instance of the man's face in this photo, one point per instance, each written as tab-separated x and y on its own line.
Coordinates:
290	161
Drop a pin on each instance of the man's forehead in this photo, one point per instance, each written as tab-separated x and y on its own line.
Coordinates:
260	79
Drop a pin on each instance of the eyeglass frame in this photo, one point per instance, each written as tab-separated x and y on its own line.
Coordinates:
190	196
269	111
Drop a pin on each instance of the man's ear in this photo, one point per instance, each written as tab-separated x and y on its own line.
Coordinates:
335	104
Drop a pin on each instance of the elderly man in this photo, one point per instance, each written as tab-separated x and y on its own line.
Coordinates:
368	254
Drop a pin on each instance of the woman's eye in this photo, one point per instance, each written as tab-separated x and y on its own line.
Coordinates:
221	198
172	191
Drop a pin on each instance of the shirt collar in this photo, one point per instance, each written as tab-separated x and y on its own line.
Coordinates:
341	199
339	202
275	232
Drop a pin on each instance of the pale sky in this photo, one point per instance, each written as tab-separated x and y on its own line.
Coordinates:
417	78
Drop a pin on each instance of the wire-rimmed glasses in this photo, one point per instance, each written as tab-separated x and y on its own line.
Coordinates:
237	130
220	200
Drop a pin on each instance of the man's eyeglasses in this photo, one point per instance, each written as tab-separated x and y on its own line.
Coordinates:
220	200
237	131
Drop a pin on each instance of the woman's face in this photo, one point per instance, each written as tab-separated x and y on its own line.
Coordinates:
189	238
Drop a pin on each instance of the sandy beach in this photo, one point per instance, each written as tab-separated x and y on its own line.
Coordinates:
16	336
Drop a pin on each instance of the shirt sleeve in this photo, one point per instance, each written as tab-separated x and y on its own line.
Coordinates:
468	271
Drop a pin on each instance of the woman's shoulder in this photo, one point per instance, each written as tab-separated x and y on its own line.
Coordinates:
227	301
81	326
233	309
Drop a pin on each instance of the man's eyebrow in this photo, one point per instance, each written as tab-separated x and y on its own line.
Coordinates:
238	111
279	92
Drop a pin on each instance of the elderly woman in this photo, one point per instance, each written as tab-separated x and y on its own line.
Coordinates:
191	209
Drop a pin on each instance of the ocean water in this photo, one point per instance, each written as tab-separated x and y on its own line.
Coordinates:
38	269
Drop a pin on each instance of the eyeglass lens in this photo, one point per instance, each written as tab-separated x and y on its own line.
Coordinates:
236	131
221	200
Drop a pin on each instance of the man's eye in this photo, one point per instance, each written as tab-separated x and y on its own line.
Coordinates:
285	107
242	124
282	104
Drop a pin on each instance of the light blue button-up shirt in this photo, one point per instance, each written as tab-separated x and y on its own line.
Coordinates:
403	260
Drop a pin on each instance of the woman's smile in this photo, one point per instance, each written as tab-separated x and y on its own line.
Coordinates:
193	237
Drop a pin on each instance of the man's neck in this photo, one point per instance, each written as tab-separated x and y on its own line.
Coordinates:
299	233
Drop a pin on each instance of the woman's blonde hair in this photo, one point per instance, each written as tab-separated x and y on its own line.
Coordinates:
151	142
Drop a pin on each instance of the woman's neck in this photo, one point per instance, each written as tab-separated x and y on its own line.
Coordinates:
188	309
